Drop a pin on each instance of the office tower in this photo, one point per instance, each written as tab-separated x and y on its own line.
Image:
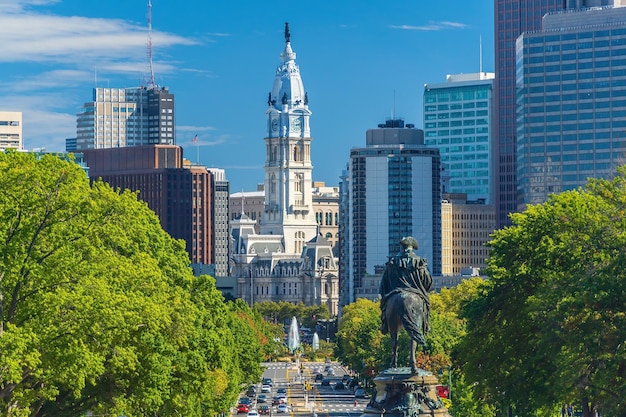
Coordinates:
392	187
466	226
458	118
220	189
288	260
181	197
512	17
119	117
571	101
11	130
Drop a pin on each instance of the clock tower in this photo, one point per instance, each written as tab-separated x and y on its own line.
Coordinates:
288	170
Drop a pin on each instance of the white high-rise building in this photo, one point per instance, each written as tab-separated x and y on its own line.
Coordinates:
288	260
120	117
11	130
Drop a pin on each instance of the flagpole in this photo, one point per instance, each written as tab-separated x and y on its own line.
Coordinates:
198	151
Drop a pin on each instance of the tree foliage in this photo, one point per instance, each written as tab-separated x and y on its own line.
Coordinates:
99	310
550	327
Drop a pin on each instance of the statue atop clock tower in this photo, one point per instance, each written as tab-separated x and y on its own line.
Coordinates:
288	169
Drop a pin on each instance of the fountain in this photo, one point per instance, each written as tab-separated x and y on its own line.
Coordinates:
316	341
293	337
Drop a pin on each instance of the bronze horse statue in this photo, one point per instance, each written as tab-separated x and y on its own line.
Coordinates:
404	288
405	310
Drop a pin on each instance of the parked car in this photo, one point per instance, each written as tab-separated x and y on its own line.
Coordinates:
282	408
264	409
243	409
326	382
253	413
360	393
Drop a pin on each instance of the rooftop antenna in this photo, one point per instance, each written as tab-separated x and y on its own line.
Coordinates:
480	55
151	69
243	199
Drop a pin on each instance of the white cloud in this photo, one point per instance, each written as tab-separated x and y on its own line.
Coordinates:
74	39
432	26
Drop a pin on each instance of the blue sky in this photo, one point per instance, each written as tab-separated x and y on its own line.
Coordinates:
359	59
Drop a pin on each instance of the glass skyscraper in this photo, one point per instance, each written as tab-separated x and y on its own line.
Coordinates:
571	101
511	19
458	121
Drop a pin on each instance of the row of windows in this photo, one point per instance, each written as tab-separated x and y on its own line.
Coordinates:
327	218
456	94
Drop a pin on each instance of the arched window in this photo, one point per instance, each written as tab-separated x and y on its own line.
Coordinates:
336	219
273	186
329	235
296	153
298	183
299	241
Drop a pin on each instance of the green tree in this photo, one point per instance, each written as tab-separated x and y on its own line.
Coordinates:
99	310
550	326
359	340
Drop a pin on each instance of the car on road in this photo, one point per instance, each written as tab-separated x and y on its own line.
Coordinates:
281	391
245	400
264	409
253	413
261	398
360	393
326	382
277	400
339	386
319	377
243	409
267	381
266	388
330	371
282	408
251	392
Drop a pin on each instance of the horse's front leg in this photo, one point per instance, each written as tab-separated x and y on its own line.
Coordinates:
394	349
413	360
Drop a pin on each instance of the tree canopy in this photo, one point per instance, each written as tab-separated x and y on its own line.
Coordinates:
550	326
99	310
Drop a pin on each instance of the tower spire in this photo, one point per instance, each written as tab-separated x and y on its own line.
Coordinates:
287	34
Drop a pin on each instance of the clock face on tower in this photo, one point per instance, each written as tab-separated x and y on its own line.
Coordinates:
274	125
295	124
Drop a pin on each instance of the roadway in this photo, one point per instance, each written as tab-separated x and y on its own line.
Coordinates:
323	401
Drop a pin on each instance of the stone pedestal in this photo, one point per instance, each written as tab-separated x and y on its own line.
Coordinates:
401	393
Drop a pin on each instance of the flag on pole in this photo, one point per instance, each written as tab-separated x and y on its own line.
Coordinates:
195	139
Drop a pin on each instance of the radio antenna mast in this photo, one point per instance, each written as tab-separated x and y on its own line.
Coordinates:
151	69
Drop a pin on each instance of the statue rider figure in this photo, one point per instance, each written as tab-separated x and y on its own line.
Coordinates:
406	272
